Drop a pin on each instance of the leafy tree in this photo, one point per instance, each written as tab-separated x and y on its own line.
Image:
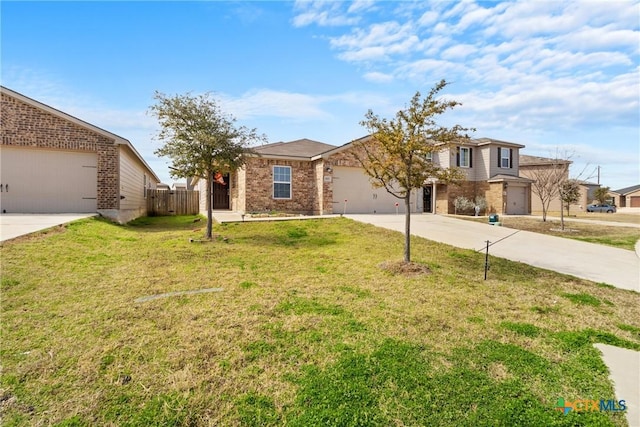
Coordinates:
200	139
569	192
602	194
397	156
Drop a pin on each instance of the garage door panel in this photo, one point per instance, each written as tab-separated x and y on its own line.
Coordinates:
516	200
353	185
48	181
634	201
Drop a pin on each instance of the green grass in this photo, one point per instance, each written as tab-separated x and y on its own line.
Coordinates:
308	330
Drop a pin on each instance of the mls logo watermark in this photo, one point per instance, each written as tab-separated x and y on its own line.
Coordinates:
590	405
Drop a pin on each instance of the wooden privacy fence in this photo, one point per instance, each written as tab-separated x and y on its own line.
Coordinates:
170	202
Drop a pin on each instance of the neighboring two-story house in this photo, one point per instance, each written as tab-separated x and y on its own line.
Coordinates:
311	177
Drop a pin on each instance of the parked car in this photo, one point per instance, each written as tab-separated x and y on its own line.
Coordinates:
601	208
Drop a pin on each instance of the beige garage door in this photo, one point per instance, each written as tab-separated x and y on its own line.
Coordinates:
353	185
47	181
516	200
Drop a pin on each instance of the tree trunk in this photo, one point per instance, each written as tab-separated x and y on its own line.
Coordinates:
209	234
407	227
561	216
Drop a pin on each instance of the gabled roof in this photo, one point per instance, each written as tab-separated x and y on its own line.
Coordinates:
475	142
627	190
61	114
301	148
508	178
487	141
525	160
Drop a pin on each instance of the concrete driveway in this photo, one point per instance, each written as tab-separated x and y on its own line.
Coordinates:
15	225
599	263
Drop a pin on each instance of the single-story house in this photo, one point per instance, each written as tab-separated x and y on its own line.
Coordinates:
52	162
628	197
311	177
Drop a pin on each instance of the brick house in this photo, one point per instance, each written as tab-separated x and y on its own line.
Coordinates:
52	162
628	197
311	177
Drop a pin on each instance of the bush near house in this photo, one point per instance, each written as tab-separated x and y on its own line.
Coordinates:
465	206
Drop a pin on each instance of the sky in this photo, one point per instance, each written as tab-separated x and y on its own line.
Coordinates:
560	77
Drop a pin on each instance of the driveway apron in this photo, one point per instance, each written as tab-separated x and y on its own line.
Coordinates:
16	225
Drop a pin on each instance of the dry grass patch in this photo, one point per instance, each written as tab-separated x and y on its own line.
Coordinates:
619	237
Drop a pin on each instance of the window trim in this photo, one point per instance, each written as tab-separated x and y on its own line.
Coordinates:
274	182
468	150
502	152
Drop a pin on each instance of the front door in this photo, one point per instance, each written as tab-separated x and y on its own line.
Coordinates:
221	194
427	198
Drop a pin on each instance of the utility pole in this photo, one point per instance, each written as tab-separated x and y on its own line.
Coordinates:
598	174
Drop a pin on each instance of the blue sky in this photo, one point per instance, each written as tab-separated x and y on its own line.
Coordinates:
554	76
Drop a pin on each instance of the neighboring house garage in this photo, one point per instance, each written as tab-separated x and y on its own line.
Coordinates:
628	197
52	162
48	181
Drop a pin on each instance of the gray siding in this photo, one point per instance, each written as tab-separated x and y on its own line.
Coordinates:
494	165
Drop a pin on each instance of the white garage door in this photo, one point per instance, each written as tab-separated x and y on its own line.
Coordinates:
354	186
516	200
47	181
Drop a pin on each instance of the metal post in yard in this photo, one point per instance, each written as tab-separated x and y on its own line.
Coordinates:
486	261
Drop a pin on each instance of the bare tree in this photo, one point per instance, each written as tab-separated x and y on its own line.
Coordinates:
547	181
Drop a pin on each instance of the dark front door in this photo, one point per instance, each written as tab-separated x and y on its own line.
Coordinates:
221	194
427	198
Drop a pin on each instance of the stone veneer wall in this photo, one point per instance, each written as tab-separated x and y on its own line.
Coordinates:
259	186
23	125
446	195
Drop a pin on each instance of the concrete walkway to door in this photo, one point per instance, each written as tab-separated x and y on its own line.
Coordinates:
599	263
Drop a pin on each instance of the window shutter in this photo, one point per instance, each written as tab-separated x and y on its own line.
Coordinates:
458	156
510	157
470	157
499	157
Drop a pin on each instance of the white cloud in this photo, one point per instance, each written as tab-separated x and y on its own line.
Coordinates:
324	14
428	18
459	51
378	77
265	102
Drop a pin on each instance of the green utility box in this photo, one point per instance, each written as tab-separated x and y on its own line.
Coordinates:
493	219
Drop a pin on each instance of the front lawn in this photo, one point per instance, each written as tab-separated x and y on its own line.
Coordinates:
307	330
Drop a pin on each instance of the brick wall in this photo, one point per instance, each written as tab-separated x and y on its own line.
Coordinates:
24	125
259	186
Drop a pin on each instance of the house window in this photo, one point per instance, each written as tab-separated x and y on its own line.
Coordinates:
282	182
504	157
464	157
